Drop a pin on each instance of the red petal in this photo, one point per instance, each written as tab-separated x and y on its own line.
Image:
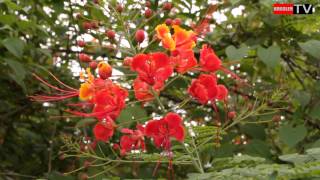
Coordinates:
179	134
127	131
222	92
158	141
102	133
164	73
152	128
160	59
173	120
140	62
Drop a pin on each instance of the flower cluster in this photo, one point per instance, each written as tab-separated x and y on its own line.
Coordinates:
154	69
106	99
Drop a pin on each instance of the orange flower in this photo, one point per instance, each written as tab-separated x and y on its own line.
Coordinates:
86	90
181	39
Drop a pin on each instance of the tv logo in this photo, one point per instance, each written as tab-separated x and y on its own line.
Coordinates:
288	8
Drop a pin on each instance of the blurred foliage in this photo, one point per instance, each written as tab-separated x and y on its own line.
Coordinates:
277	114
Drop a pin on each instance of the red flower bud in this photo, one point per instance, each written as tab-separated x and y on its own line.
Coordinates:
177	21
168	22
167	6
78	16
62	156
86	25
148	13
104	70
110	34
231	114
115	146
127	61
93	65
119	8
276	118
148	4
84	176
94	25
86	164
84	57
140	36
81	43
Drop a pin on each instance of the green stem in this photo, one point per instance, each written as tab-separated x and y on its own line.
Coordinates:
198	156
154	93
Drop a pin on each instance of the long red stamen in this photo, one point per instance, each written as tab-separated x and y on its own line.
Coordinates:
50	85
43	98
82	114
217	112
63	84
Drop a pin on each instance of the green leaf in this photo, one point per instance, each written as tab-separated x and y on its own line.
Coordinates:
236	54
7	19
270	56
97	14
292	135
12	5
132	113
57	175
258	147
302	97
19	72
312	47
85	122
315	112
199	176
14	45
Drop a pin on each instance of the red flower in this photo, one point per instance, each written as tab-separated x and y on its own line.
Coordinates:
152	68
104	130
162	130
109	101
184	61
222	92
133	140
209	61
205	88
107	98
142	90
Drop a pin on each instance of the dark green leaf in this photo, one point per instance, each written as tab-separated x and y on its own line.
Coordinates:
14	45
292	135
236	54
312	47
270	56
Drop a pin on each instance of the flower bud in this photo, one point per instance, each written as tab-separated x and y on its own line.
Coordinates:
127	61
81	43
231	114
140	36
86	25
167	6
104	70
93	65
168	22
84	57
119	8
148	13
177	21
110	34
148	4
